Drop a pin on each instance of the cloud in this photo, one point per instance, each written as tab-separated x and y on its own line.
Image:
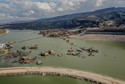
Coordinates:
99	3
15	10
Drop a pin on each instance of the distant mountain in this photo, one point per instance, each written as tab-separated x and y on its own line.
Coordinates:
15	22
105	17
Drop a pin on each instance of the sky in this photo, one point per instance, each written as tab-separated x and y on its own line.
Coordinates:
25	10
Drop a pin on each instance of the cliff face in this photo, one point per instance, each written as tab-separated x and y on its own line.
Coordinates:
79	20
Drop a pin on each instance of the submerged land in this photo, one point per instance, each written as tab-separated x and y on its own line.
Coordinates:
104	34
24	57
67	42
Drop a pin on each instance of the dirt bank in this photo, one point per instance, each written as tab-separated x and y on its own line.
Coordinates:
114	38
81	75
6	32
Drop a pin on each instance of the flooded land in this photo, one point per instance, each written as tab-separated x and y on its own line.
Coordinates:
106	59
62	41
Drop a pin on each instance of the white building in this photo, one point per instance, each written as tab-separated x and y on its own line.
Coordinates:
2	46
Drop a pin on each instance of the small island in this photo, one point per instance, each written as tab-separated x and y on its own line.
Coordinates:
3	31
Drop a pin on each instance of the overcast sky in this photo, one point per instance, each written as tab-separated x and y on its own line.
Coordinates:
19	10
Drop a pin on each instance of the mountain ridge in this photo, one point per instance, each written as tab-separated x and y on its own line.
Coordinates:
78	20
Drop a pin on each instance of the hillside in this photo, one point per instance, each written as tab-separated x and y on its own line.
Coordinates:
109	17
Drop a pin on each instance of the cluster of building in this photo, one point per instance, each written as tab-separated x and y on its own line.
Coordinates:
3	46
60	32
45	53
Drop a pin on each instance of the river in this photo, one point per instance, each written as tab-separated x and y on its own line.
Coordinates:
109	61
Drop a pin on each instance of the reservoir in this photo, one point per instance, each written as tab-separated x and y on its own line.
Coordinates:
40	80
109	61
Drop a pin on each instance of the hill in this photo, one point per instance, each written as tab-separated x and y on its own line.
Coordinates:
109	17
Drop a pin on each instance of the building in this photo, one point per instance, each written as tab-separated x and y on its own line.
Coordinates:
2	46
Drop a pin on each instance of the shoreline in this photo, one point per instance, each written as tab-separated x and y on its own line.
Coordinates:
103	37
64	72
6	32
85	34
94	37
